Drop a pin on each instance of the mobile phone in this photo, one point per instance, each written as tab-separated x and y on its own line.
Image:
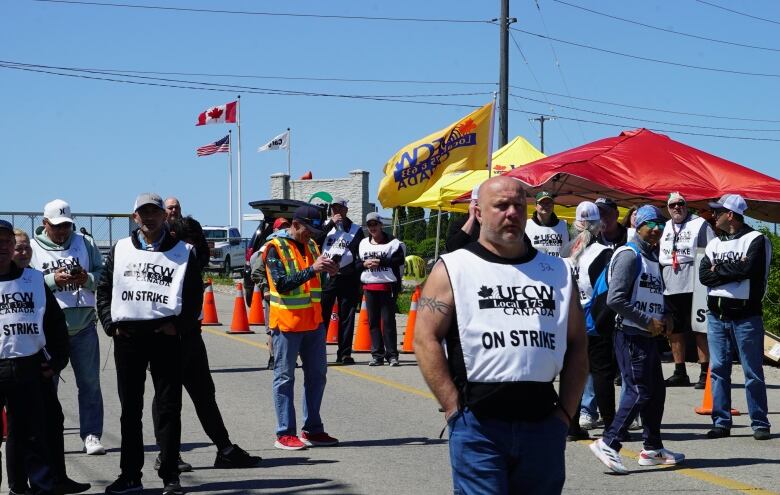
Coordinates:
76	270
336	258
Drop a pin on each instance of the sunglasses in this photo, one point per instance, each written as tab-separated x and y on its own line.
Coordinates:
677	205
655	225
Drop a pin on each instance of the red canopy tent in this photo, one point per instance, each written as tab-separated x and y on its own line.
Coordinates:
641	166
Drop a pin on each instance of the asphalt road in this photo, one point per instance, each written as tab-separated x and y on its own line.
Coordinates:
389	425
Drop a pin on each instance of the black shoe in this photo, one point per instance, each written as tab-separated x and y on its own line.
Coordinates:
270	363
172	487
376	362
718	432
347	360
761	434
71	486
394	362
26	491
702	382
236	458
678	381
578	434
184	467
618	381
124	485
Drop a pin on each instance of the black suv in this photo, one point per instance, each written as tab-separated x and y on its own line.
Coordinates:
271	209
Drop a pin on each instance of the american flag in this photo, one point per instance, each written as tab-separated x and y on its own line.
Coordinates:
221	146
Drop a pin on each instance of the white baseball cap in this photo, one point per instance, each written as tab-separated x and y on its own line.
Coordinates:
732	202
57	212
587	212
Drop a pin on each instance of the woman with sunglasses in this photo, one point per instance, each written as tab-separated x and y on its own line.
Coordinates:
636	295
381	259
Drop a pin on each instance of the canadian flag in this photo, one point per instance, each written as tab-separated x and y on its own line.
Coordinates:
223	114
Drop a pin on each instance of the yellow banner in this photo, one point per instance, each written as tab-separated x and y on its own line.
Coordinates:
464	145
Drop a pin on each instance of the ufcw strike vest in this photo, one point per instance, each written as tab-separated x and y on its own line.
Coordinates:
22	306
337	242
733	251
381	274
147	284
512	319
298	310
581	270
648	293
687	234
548	240
49	261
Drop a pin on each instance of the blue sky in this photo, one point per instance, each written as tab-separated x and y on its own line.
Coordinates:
97	144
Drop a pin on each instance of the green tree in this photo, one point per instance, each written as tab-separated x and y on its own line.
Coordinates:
772	298
431	230
415	227
401	213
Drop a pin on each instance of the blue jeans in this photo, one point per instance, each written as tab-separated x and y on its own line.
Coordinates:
588	402
497	457
85	361
310	346
749	336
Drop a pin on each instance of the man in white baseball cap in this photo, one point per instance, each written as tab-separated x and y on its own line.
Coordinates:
735	270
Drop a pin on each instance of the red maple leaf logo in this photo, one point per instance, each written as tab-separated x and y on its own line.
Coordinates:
215	113
466	127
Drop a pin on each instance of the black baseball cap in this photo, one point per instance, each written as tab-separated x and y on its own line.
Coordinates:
606	203
311	217
6	225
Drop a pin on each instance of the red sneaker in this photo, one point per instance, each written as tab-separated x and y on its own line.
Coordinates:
289	442
318	439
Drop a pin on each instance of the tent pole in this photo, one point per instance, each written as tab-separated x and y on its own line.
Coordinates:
438	235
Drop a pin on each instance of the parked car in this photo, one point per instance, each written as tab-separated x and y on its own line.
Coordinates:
226	249
271	210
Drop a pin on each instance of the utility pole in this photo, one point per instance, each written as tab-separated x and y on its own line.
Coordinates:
503	77
541	119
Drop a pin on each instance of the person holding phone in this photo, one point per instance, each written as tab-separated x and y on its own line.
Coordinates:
72	264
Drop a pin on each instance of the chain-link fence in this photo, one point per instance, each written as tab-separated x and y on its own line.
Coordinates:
105	228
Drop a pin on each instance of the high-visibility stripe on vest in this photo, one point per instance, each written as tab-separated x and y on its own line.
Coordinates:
298	310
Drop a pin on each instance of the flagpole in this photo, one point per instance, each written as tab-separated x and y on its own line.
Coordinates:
230	178
490	145
289	151
238	127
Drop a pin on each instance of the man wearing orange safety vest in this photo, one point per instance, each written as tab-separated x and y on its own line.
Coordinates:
293	267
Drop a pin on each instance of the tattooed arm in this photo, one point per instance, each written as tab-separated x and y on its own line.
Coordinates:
435	311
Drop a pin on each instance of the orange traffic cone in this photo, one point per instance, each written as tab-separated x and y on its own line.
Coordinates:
256	313
706	402
408	346
363	336
333	326
209	308
240	323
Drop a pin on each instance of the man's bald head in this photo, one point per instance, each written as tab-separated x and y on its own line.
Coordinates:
502	214
172	209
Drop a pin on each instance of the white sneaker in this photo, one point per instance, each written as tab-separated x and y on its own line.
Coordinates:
609	456
660	456
636	424
92	445
587	422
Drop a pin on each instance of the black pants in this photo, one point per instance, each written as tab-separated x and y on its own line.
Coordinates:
21	392
603	368
381	321
54	426
347	293
197	381
162	354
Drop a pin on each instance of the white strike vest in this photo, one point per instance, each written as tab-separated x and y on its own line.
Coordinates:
687	236
49	261
147	284
337	242
732	251
512	319
581	270
548	240
648	293
22	306
381	274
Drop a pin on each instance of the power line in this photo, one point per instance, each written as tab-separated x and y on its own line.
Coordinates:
184	85
738	12
273	14
665	30
648	59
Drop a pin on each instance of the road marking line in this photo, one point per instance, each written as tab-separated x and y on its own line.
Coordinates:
698	474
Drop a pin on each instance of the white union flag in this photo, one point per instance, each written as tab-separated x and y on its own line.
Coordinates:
280	142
